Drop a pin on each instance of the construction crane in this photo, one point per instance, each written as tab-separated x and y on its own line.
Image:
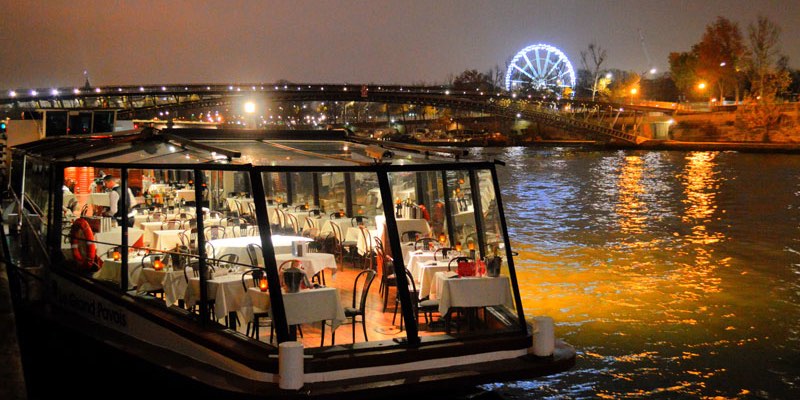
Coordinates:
652	69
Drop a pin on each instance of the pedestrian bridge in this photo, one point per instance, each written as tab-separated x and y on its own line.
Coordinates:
602	121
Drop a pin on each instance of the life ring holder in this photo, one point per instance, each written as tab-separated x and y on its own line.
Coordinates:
84	250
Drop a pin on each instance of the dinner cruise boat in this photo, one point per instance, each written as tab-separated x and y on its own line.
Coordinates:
236	259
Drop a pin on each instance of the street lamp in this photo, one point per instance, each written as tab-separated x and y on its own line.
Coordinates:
633	93
250	108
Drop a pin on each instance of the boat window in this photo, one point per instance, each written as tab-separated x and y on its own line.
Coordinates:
37	193
332	192
462	210
492	230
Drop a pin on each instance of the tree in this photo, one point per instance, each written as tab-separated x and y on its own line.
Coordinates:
766	76
620	86
720	54
471	80
592	65
682	71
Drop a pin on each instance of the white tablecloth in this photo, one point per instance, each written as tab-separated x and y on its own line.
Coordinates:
114	236
427	275
111	271
472	292
158	188
244	201
311	262
150	279
226	291
184	194
407	224
175	286
238	245
99	199
166	239
303	307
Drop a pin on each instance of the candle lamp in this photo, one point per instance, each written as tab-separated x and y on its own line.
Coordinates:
458	246
442	238
262	284
158	265
471	247
116	255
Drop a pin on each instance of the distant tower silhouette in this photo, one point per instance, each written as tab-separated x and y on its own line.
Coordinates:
86	85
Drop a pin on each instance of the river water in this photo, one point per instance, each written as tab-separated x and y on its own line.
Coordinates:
674	274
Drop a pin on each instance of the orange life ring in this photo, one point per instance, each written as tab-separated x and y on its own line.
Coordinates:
81	240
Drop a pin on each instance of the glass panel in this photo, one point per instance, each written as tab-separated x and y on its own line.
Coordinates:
302	189
275	185
37	193
332	192
461	209
492	235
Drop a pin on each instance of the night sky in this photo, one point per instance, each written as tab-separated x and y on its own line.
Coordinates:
51	43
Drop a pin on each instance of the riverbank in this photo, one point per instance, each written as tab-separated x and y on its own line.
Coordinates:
747	147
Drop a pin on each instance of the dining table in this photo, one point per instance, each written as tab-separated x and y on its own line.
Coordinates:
113	237
185	195
312	263
224	288
306	306
463	292
407	224
166	239
150	279
281	244
111	270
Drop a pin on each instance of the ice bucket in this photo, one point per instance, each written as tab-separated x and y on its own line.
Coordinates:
493	266
293	277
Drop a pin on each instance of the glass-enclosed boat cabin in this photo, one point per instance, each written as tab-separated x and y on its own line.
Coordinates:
263	238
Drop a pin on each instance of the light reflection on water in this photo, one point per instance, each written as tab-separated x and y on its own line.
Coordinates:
674	274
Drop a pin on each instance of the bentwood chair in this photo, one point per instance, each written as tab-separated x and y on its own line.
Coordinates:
172	224
193	269
147	262
388	277
359	304
255	255
253	277
212	232
410	236
425	306
291	223
443	251
358	220
425	244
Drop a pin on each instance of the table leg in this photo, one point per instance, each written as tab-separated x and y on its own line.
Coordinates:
232	320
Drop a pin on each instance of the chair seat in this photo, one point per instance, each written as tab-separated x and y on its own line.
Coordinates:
350	311
429	304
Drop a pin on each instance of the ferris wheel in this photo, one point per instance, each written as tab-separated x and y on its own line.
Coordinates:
540	67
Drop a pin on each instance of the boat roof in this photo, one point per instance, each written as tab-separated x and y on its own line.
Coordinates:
149	147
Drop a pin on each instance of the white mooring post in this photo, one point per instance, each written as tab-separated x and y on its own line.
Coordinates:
290	365
544	340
